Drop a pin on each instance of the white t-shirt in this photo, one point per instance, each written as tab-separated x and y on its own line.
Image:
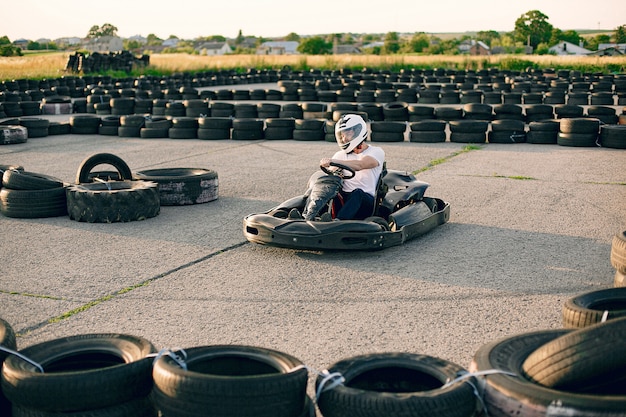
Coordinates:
365	179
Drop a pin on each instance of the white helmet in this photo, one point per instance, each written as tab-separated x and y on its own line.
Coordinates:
350	131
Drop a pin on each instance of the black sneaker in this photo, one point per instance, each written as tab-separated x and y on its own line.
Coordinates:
326	217
294	214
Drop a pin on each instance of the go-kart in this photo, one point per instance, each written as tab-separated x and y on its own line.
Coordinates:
401	213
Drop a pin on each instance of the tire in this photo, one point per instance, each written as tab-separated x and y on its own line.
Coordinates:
386	136
231	381
542	137
140	407
81	372
580	125
613	136
424	136
7	340
33	204
469	126
307	134
589	308
618	252
183	186
462	137
215	123
397	384
589	360
12	134
108	130
428	126
213	134
25	180
280	133
246	134
506	137
153	133
92	161
182	133
58	128
514	395
577	139
113	201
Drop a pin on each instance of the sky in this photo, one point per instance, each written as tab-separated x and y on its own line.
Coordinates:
189	19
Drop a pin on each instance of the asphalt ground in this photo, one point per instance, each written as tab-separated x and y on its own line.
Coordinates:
530	227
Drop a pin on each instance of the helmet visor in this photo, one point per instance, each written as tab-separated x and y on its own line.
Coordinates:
344	136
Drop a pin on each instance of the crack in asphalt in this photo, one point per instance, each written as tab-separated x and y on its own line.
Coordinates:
113	295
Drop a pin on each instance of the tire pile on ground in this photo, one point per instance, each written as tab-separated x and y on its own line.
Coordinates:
104	196
494	96
576	371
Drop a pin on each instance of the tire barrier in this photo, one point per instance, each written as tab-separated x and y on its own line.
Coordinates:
7	340
385	384
96	373
594	307
182	186
507	392
231	380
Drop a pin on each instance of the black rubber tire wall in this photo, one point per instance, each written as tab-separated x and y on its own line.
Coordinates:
81	372
392	384
231	381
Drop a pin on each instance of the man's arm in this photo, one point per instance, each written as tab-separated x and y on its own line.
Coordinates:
367	162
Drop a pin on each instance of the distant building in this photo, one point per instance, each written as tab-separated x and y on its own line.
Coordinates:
610	49
278	48
568	48
21	43
71	41
473	47
138	38
346	49
170	43
214	48
104	44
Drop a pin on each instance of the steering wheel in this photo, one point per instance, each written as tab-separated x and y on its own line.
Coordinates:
351	173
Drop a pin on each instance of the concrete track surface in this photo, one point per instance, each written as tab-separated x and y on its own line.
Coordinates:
531	226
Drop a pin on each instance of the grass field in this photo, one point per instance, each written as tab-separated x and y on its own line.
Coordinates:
52	65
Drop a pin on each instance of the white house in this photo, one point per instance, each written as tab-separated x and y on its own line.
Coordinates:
278	48
214	48
568	48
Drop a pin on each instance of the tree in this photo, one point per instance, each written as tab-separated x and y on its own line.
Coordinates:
240	38
153	40
594	42
392	43
418	43
487	36
106	29
533	28
294	37
619	36
315	45
570	36
4	40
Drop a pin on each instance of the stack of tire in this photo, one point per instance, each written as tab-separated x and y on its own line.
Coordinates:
427	131
543	131
618	258
85	124
37	127
182	186
155	128
131	125
7	340
231	380
573	372
468	131
578	131
93	374
507	131
210	128
11	132
396	384
247	129
308	129
388	131
613	136
29	195
95	199
278	128
183	128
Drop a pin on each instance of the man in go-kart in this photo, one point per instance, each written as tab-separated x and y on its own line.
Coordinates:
356	198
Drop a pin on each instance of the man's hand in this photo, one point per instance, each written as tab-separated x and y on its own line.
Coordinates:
325	162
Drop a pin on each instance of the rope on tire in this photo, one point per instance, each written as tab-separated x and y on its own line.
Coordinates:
22	357
168	352
466	375
328	379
